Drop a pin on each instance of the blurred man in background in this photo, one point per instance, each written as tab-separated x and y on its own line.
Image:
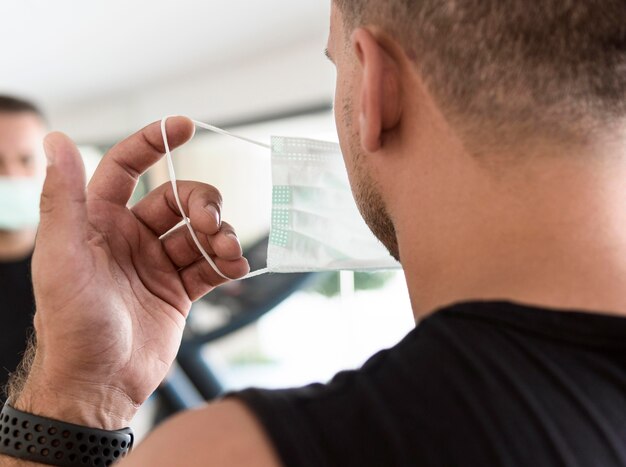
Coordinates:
22	168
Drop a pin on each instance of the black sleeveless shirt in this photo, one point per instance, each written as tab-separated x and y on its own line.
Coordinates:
474	385
17	307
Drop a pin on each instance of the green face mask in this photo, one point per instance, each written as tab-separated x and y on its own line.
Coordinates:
19	203
316	225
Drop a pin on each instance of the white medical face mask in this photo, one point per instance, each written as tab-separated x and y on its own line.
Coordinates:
316	225
19	203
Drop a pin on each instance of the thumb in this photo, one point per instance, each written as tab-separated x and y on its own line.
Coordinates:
63	199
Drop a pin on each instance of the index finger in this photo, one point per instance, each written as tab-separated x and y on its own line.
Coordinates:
117	174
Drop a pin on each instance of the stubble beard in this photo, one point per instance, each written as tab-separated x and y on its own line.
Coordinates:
366	192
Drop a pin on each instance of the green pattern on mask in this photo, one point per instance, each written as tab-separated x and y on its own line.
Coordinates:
279	235
279	238
280	218
281	196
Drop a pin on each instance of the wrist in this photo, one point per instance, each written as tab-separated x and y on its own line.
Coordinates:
92	406
42	440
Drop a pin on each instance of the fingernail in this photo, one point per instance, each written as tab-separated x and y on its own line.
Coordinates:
48	150
215	213
234	237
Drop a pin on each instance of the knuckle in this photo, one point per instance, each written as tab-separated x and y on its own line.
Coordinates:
163	187
170	202
205	193
191	244
156	146
46	204
127	168
227	228
206	274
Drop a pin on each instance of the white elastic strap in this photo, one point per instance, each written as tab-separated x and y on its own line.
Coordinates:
172	174
215	129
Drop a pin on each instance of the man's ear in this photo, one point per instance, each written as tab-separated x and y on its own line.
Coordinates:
380	107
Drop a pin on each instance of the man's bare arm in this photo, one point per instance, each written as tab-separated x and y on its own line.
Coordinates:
220	434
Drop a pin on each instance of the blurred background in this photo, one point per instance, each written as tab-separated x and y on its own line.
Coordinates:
101	70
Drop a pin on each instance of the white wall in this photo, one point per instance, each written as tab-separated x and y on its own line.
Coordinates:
285	79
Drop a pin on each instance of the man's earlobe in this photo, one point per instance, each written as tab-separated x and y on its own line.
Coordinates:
380	89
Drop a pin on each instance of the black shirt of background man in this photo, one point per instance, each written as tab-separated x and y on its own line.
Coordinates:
474	385
17	307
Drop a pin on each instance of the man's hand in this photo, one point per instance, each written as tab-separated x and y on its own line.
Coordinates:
112	295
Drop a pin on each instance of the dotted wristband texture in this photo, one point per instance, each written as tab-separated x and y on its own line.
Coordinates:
52	442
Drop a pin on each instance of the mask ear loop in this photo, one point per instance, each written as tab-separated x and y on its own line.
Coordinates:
172	174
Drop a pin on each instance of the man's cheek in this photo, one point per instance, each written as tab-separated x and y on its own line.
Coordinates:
339	111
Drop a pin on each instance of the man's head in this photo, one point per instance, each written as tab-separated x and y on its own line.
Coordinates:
22	129
473	77
22	169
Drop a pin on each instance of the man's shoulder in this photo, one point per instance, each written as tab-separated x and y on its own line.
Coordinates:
472	374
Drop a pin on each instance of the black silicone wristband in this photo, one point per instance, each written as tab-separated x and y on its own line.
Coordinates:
52	442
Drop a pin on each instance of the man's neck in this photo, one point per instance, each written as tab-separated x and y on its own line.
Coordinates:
553	236
16	245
